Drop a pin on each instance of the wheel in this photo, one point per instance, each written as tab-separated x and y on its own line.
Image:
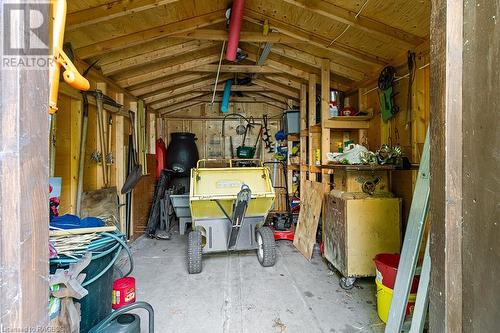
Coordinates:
266	253
347	283
194	252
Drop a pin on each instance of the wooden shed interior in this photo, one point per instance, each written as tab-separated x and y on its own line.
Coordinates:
163	64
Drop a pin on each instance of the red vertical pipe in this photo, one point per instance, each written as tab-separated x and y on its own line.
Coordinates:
234	29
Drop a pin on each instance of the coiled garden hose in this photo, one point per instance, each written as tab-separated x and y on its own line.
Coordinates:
99	249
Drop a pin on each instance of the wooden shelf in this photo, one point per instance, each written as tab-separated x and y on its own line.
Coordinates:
293	137
342	123
294	167
311	168
304	133
359	167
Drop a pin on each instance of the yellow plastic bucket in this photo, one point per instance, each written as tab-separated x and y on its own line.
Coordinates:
384	297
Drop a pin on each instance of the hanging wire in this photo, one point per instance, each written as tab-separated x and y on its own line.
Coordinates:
399	78
348	26
218	73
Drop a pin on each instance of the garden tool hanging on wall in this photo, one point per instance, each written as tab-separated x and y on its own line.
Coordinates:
388	105
265	134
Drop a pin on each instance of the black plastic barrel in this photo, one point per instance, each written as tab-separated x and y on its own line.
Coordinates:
182	153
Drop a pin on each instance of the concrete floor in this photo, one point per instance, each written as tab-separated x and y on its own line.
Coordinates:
234	293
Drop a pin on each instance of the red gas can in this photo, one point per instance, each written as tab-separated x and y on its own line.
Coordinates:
123	292
161	156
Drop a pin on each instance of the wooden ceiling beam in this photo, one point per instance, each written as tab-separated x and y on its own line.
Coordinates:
178	99
312	60
291	93
281	67
234	87
110	10
236	99
166	71
172	81
307	36
360	22
180	106
236	69
245	36
152	56
284	80
163	95
148	35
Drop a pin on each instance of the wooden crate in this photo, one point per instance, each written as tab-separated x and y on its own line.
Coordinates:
358	229
352	180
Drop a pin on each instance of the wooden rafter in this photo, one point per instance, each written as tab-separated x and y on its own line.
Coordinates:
319	41
252	52
110	11
152	56
285	81
245	36
166	70
172	81
311	60
147	35
360	22
291	93
162	95
236	69
235	87
179	106
178	99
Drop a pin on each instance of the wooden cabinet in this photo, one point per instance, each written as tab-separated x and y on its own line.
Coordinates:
357	227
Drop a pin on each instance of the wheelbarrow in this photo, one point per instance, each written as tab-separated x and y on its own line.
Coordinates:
229	206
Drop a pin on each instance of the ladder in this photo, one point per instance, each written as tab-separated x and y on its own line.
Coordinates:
409	257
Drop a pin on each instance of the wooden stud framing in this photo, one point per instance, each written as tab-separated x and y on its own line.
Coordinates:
325	110
110	11
140	37
318	41
361	22
245	36
166	71
24	178
156	55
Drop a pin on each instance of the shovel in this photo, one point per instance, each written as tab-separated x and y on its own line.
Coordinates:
136	171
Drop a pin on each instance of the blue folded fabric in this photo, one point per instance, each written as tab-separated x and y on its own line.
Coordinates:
69	221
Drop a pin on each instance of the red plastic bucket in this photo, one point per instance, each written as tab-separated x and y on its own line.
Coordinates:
123	292
387	269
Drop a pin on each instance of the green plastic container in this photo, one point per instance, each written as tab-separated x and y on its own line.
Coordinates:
97	304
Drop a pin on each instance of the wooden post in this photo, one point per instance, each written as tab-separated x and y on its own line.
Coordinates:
151	126
76	120
303	137
24	180
325	109
446	167
100	181
312	120
120	165
325	115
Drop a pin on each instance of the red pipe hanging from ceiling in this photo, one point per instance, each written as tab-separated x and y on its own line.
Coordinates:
234	29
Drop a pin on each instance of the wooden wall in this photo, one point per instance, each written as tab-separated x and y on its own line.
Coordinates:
67	145
206	122
396	132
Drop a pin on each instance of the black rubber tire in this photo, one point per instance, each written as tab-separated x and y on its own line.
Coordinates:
194	252
345	283
267	250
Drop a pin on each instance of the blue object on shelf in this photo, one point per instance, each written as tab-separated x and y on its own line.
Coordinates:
69	221
227	94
